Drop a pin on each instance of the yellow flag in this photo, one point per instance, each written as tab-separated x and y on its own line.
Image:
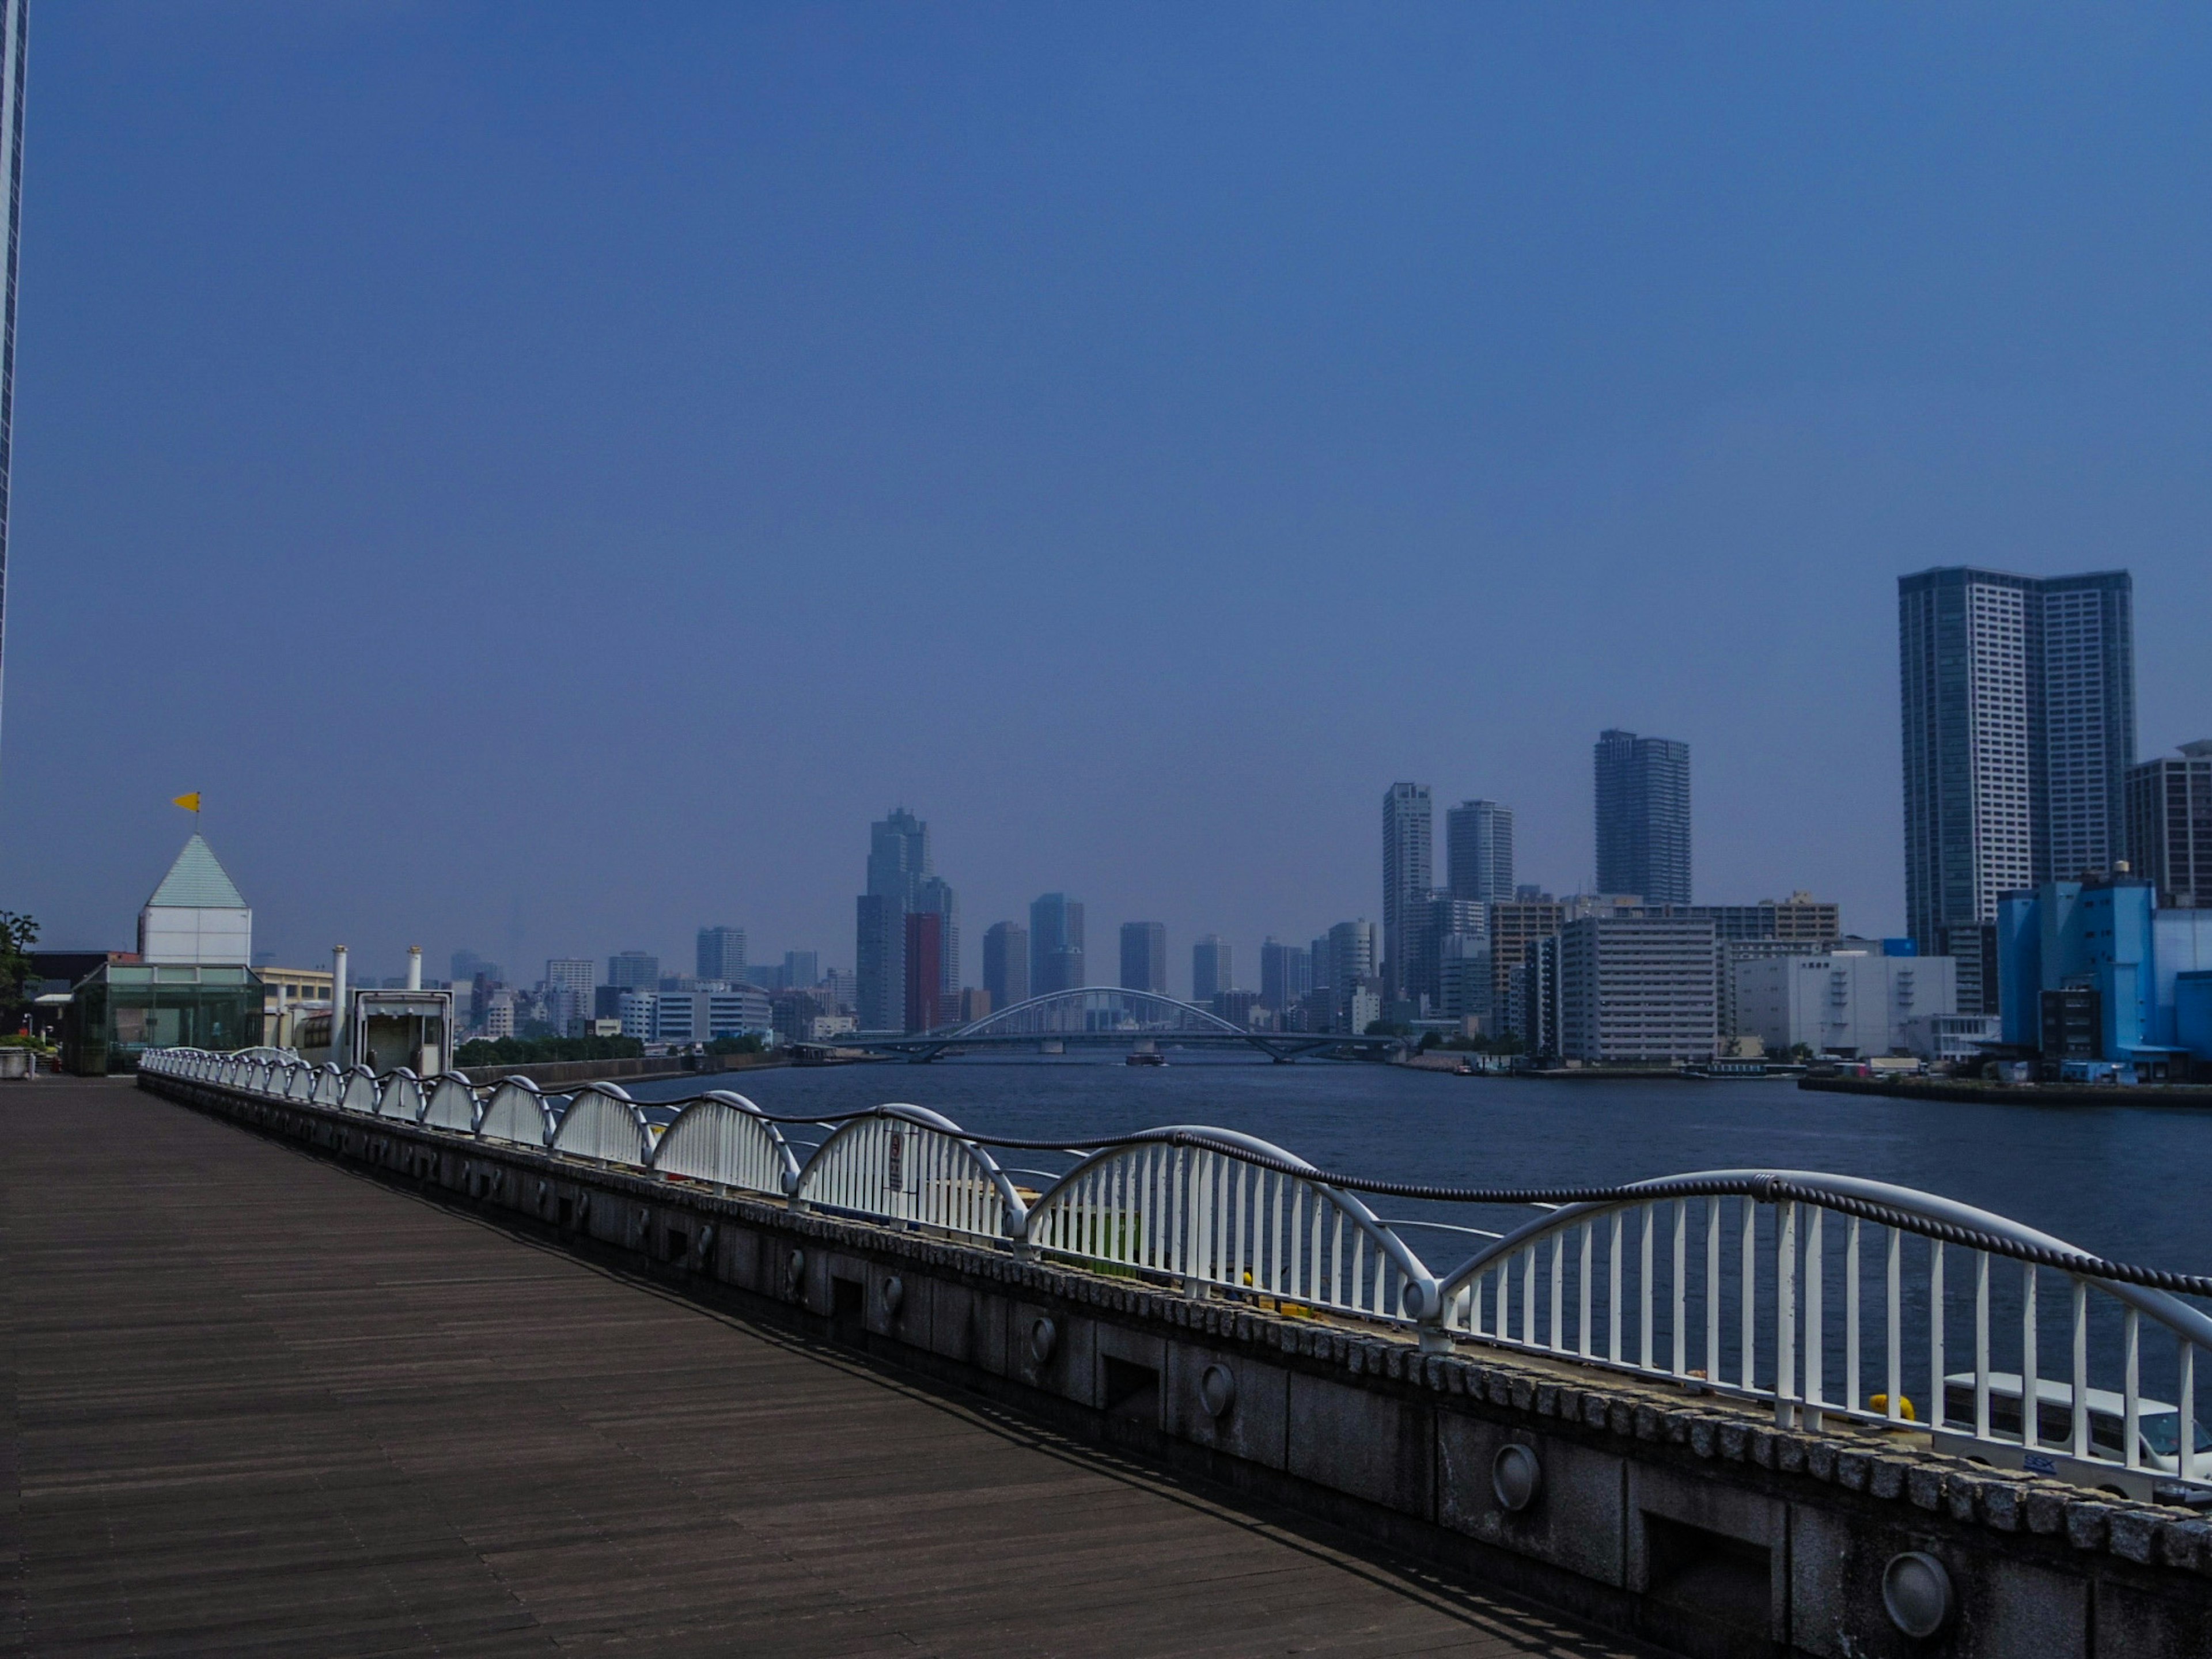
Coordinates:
191	802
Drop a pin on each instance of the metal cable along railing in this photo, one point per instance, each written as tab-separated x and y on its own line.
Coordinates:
1819	1295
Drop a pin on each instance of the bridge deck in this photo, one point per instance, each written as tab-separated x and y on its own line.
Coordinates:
255	1405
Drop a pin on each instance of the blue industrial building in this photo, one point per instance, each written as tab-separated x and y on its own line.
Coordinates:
2095	971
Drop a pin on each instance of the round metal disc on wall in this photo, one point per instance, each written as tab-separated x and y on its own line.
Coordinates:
1516	1476
1217	1390
1044	1336
894	1293
1916	1588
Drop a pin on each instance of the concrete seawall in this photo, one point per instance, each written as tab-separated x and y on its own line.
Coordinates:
1685	1520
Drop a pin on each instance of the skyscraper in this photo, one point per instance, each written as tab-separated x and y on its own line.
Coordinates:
1055	944
2170	825
879	963
1429	926
934	895
1007	963
1643	817
898	866
1144	957
802	969
569	981
722	954
1478	848
634	970
1211	973
2018	713
14	23
1286	975
925	971
1409	866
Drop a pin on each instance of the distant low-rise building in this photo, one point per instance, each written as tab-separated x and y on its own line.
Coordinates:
1638	990
2096	970
1853	1000
687	1016
1951	1039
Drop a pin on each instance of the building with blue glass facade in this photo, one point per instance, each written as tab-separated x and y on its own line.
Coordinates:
2095	971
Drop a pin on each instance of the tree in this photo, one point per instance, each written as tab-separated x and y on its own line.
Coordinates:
17	935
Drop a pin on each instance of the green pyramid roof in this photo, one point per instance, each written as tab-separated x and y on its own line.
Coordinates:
196	882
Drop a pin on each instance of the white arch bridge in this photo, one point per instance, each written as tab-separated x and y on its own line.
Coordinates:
1102	1016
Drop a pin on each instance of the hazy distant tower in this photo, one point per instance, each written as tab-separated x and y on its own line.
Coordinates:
1479	850
1055	944
1211	972
1144	957
1643	817
1409	867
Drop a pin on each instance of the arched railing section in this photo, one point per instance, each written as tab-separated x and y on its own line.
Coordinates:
517	1111
911	1166
603	1124
361	1091
1831	1296
1815	1294
724	1138
1202	1215
452	1105
402	1097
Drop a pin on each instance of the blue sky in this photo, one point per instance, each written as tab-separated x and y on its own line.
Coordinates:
551	474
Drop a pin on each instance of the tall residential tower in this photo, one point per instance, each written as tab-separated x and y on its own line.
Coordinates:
2019	712
1408	873
1479	850
1643	817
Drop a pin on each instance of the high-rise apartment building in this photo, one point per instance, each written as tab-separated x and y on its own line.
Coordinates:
722	954
1643	817
1055	944
569	982
2019	715
1285	975
1479	851
879	963
1513	928
1144	957
634	970
898	868
2170	826
1007	963
1408	871
934	895
1211	972
1441	918
802	969
925	1001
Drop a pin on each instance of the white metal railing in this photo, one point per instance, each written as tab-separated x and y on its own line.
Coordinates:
1201	1216
1816	1296
909	1165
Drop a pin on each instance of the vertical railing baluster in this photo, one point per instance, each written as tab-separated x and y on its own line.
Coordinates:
2131	1389
1528	1296
1851	1394
1747	1308
1981	1345
1893	1326
1613	1291
1583	1288
1785	1312
1713	1288
2187	1403
1816	1324
1680	1321
2031	1366
2081	1312
1643	1288
1936	1312
1559	1292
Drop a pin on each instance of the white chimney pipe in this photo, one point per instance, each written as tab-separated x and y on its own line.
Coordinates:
338	1022
414	966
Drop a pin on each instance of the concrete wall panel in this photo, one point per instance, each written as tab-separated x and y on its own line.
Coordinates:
1579	1520
1371	1445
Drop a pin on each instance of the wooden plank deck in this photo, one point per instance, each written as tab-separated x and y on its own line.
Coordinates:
253	1404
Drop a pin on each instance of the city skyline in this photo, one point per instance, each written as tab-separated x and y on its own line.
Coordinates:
896	346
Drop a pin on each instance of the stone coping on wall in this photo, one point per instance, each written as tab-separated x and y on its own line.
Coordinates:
1622	1413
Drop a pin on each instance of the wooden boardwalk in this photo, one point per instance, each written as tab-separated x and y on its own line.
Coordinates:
252	1404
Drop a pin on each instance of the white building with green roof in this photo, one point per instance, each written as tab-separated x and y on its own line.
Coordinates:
197	914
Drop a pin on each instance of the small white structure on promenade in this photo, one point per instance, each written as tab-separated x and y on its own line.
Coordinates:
197	915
